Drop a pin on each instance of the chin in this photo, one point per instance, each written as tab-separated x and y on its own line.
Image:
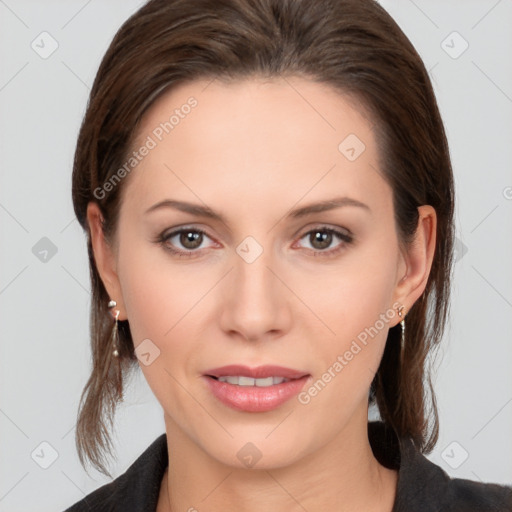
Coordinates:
248	450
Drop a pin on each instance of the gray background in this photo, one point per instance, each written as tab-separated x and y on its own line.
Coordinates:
44	303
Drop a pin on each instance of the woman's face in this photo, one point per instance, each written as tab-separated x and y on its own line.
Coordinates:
269	284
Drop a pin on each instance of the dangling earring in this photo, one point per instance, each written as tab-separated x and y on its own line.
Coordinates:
401	314
115	329
117	377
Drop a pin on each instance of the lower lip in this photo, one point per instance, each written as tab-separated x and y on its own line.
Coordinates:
254	398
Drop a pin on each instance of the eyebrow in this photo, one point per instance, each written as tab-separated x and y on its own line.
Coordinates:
205	211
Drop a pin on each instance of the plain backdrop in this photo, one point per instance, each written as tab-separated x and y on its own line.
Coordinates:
44	296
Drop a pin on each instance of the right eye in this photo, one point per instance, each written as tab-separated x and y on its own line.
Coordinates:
189	238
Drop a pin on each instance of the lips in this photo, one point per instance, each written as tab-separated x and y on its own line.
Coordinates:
253	398
251	390
260	372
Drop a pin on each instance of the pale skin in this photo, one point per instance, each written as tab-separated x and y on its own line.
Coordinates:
253	150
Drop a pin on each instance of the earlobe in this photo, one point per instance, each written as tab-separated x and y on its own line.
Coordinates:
418	258
104	256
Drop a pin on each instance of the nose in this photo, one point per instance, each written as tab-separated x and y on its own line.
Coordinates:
255	302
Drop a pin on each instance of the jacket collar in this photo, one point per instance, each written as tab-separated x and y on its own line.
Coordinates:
417	476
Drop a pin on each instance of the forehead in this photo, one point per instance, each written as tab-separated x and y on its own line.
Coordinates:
254	137
290	106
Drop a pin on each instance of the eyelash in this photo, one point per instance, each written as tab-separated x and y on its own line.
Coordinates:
346	237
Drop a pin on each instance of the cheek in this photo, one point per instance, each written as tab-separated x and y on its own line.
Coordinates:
356	303
154	307
359	291
165	302
157	292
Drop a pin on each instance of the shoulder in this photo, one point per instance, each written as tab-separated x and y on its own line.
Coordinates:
468	495
423	486
442	493
136	489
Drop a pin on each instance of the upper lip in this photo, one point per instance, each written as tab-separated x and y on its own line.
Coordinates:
259	372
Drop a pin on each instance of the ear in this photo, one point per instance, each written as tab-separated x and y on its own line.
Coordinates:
105	257
418	260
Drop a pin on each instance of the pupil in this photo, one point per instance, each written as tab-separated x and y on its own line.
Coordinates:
190	236
324	238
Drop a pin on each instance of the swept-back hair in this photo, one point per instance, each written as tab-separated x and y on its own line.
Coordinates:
352	45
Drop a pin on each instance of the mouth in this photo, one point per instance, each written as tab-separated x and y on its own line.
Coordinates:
255	389
240	380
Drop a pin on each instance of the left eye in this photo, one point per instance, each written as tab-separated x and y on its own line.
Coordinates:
323	238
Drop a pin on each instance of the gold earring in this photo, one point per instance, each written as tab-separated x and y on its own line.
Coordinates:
115	329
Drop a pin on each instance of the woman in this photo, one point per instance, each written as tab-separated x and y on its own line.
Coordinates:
268	198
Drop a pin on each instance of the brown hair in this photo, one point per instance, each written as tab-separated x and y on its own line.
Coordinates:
352	45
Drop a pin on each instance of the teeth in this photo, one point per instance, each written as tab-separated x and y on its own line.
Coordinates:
249	381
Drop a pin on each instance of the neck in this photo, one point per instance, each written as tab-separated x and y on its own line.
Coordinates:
343	475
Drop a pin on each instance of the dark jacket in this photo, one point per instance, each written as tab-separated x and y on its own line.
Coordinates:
422	485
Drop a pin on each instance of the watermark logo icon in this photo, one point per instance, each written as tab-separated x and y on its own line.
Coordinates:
249	455
44	455
44	45
454	455
459	250
147	352
351	147
249	249
454	45
44	250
